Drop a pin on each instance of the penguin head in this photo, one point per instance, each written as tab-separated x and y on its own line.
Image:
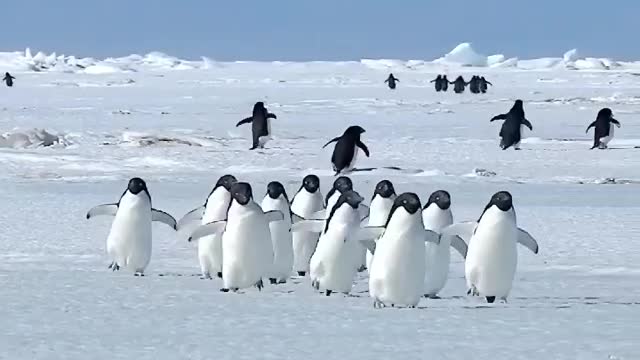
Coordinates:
136	185
409	201
343	184
259	108
275	190
604	114
518	105
384	189
444	77
439	76
354	131
311	183
350	198
226	181
440	198
241	192
502	200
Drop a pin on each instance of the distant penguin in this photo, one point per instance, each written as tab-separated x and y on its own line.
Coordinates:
398	266
8	78
438	83
260	125
483	84
247	250
129	241
604	128
437	215
391	81
340	185
379	209
492	256
276	199
510	132
458	85
214	209
306	202
445	83
474	84
345	153
333	266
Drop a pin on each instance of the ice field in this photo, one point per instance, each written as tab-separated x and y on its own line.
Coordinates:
172	123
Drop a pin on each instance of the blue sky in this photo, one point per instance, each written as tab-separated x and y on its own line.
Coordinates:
321	30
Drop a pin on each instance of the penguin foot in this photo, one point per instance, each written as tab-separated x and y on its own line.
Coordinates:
504	299
377	304
328	292
219	274
491	299
206	276
280	282
224	290
302	273
260	285
434	296
362	268
138	273
315	284
273	281
114	266
473	291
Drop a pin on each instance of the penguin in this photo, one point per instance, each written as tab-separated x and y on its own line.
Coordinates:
306	202
458	85
340	185
492	256
474	84
445	83
260	125
276	199
604	128
438	82
436	215
8	78
333	266
483	84
510	132
379	209
391	81
247	250
129	241
214	209
398	267
345	153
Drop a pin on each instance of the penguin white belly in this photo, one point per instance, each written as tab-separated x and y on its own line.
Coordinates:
332	265
437	256
210	247
247	251
129	241
304	243
398	268
281	239
605	140
378	214
352	164
492	258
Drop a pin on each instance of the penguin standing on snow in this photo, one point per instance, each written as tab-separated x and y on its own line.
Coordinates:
379	209
483	84
214	209
247	250
129	241
604	128
474	84
8	78
306	202
345	152
492	256
511	130
438	83
445	83
391	81
260	125
276	199
458	85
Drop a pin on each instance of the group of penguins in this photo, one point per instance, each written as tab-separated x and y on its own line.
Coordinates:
477	84
404	246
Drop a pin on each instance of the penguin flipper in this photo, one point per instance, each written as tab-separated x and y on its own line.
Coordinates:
274	215
211	228
104	209
460	246
590	126
524	238
315	226
362	146
332	140
368	233
245	121
271	116
193	215
464	230
499	117
363	210
526	123
616	122
431	236
163	217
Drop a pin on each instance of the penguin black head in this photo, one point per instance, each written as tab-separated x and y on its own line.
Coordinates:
604	114
439	77
226	181
518	105
354	131
384	189
444	77
502	200
343	184
136	185
241	192
440	198
408	201
351	198
311	183
275	189
259	107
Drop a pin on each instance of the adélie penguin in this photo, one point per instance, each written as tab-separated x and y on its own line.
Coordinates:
437	215
379	209
398	265
511	130
604	128
129	241
260	125
247	250
340	185
391	81
492	256
345	153
214	209
306	202
276	199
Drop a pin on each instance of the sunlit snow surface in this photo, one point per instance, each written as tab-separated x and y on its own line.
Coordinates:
577	299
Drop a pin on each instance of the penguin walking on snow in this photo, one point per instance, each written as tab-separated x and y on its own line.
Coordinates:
492	256
8	78
604	128
129	241
438	83
483	84
474	84
445	83
214	209
458	85
276	199
247	250
306	202
345	152
260	125
511	130
391	81
379	209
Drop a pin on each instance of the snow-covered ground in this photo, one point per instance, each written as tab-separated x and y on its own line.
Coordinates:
174	125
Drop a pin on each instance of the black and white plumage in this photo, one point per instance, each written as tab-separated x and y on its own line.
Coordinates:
345	152
511	132
260	125
603	128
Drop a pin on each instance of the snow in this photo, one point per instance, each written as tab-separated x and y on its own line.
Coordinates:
172	122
